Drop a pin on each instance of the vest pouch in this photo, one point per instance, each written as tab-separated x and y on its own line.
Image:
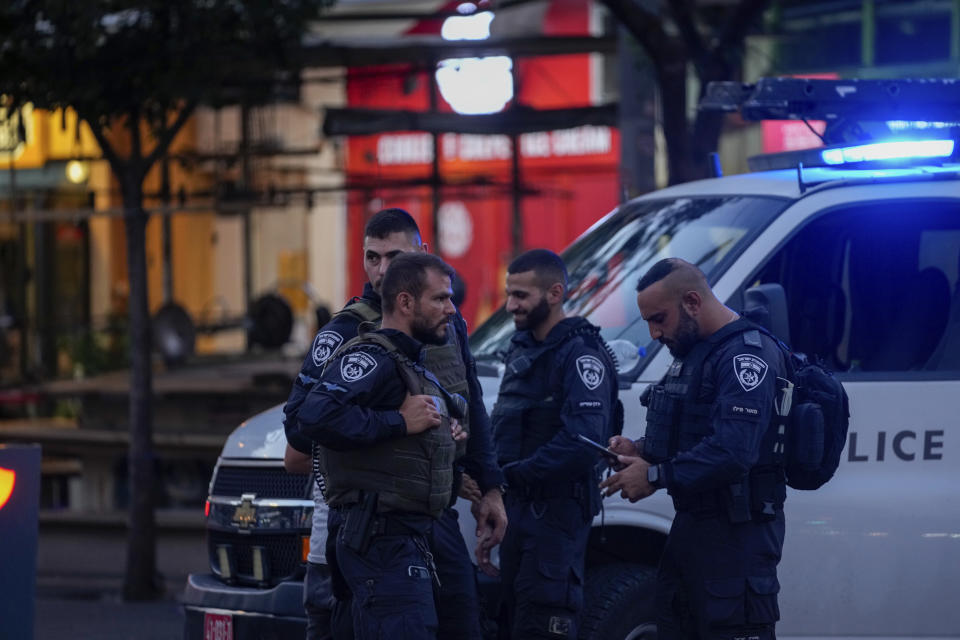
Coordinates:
505	420
662	410
540	425
439	448
806	437
695	425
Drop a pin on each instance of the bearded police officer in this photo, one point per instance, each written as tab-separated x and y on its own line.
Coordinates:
389	233
712	441
386	428
560	382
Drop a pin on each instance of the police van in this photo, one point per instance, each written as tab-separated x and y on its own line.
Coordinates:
864	238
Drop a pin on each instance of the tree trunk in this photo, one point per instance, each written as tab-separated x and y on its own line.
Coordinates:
140	581
672	78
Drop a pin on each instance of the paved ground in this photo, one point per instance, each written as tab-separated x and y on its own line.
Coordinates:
105	617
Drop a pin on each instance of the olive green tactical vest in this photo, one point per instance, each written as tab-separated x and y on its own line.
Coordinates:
444	361
361	310
410	473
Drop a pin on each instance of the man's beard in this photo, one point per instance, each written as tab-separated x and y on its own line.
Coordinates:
427	334
533	318
686	337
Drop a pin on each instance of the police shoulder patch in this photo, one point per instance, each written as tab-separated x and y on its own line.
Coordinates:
357	365
591	371
324	345
750	370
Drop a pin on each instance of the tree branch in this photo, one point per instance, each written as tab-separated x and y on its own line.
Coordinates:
682	13
741	19
643	25
116	163
163	142
133	124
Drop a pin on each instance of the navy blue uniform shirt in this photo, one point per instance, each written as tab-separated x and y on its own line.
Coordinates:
355	402
741	380
479	460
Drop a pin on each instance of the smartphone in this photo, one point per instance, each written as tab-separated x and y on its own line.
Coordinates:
610	455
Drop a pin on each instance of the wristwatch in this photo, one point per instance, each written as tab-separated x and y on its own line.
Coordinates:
655	476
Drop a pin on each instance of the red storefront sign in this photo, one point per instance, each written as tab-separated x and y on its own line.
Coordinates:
571	174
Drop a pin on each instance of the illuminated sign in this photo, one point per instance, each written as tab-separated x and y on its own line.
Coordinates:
7	479
417	148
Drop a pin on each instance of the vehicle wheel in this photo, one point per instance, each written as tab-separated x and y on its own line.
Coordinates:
619	603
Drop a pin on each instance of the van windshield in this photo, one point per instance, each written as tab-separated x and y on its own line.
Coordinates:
605	264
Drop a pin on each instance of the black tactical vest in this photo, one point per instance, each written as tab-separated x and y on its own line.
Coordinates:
409	473
678	419
444	361
527	413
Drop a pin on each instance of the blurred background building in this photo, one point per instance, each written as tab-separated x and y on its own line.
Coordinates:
265	202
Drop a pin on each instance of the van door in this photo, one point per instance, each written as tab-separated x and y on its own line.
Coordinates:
873	290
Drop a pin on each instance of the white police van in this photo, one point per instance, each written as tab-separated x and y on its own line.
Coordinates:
865	240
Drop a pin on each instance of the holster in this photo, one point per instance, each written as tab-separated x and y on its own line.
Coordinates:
737	500
358	530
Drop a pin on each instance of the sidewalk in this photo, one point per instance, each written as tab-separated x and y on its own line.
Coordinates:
105	617
88	606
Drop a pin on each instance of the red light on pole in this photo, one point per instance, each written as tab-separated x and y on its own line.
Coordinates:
7	480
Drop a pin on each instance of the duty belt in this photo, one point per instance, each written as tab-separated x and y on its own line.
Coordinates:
576	490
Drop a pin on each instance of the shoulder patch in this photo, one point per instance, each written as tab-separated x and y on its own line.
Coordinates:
591	371
357	365
752	338
324	345
750	370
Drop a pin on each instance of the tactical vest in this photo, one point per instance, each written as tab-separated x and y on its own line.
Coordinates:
527	413
444	361
409	473
361	310
678	419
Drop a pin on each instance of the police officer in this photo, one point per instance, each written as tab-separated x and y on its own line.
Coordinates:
560	382
389	233
713	442
386	428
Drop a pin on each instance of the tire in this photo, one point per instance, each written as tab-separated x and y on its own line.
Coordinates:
619	603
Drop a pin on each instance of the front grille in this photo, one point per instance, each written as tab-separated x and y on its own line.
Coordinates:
282	553
265	482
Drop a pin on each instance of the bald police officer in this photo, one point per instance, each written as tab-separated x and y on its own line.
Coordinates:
711	442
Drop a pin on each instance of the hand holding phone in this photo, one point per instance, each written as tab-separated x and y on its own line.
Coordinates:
609	455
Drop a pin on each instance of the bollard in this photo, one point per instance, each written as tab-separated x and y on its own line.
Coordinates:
19	503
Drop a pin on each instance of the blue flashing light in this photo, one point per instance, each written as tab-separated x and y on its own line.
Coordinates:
894	150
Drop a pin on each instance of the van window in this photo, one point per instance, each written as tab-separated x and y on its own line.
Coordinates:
605	264
875	288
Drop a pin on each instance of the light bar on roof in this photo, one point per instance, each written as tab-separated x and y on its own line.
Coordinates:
894	150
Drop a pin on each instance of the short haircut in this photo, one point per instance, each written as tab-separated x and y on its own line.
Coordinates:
546	264
388	221
408	273
688	276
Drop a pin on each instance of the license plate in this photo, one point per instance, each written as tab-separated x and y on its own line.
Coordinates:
217	626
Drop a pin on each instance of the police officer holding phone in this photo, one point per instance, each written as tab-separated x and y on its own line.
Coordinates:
713	442
560	383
